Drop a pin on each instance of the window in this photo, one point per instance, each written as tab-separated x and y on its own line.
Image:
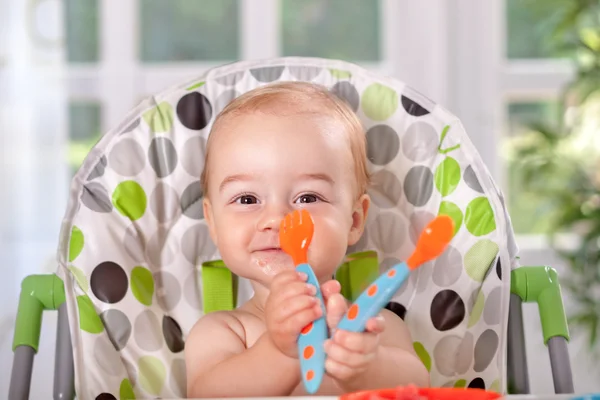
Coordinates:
84	130
535	74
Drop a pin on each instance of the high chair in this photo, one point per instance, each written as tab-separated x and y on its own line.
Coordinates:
137	268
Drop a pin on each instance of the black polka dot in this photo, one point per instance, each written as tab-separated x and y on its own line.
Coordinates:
173	335
194	111
109	282
396	308
191	201
413	108
477	383
347	92
447	310
499	269
105	396
383	144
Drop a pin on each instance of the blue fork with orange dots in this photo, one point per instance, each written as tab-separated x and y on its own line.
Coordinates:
295	235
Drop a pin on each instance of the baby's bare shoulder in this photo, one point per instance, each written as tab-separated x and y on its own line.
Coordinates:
396	332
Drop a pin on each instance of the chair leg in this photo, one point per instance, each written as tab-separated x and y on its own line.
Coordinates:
64	370
561	365
20	380
518	376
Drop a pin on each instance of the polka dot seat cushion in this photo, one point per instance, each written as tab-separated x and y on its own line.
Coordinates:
134	237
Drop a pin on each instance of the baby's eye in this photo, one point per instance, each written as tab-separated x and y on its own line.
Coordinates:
307	198
246	199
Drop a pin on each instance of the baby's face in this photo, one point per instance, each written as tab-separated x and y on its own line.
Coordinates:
264	166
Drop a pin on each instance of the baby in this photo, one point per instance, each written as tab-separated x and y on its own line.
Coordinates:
272	150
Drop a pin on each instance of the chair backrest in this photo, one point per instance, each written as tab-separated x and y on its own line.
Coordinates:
134	238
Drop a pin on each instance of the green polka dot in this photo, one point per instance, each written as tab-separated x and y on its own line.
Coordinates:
479	217
477	309
196	86
478	259
423	355
447	176
340	74
142	285
126	390
453	211
495	386
76	243
461	383
159	118
130	199
152	374
89	321
379	102
79	276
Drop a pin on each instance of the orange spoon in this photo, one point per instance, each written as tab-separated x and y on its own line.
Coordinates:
432	243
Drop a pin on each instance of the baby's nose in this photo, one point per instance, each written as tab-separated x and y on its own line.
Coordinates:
271	218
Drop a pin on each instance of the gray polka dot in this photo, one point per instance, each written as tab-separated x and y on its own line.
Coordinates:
168	291
346	91
225	98
196	245
361	245
162	156
161	249
471	179
118	327
424	273
135	243
178	379
231	79
491	311
305	73
388	232
164	203
420	142
132	126
465	354
418	222
444	354
267	74
127	158
190	292
383	144
98	169
418	185
147	331
485	349
95	197
447	267
191	201
192	156
473	300
107	357
387	189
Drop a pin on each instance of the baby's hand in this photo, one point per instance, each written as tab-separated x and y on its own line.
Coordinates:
349	354
291	306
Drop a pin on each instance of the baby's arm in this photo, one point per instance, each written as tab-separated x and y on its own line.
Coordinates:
395	363
219	365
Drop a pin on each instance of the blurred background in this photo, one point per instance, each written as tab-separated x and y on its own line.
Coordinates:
522	75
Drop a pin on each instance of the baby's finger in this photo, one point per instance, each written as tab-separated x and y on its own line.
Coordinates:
376	325
336	308
292	289
338	370
292	306
360	342
285	277
329	288
296	322
345	356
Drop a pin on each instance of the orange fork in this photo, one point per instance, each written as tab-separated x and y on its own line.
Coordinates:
295	234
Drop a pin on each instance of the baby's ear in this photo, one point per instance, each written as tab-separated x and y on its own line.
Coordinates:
359	218
208	216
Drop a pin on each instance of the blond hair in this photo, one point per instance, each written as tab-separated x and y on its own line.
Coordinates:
291	98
